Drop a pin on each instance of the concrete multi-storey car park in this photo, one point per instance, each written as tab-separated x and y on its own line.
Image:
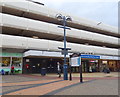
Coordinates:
27	26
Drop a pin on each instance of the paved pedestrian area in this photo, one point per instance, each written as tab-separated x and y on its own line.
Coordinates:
35	84
96	87
27	86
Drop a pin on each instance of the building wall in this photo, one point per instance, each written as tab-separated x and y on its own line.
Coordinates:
41	44
40	10
47	28
22	21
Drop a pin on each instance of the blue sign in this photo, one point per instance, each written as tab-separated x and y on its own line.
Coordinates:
90	56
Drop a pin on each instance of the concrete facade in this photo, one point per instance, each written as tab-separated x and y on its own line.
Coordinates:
29	26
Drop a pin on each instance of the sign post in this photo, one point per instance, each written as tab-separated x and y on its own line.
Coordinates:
70	69
75	61
70	73
65	66
81	78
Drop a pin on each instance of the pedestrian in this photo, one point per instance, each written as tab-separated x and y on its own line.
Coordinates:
27	68
12	69
90	69
59	69
2	72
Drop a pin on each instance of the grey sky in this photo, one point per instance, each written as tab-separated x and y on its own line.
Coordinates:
106	12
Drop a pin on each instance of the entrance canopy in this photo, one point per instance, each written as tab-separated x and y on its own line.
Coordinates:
35	53
43	53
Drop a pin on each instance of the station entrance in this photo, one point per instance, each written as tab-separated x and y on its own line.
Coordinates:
34	65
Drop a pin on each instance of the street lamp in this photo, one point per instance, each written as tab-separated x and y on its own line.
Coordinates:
64	19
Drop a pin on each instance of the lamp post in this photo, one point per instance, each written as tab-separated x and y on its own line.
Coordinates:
64	19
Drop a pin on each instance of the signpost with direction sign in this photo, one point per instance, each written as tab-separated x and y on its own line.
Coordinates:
75	61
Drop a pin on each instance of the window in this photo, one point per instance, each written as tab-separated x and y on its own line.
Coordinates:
5	62
17	62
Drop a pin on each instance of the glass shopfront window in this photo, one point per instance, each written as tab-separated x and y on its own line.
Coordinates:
112	65
94	67
8	59
17	62
5	62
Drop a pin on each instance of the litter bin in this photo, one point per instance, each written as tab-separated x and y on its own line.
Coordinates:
43	71
106	71
7	72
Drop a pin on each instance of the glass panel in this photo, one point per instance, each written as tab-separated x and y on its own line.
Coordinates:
5	62
0	61
17	62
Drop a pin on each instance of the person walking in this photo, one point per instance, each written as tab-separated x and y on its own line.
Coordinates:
27	67
2	72
12	69
59	69
90	69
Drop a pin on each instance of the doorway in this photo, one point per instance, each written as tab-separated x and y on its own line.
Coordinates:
36	64
85	65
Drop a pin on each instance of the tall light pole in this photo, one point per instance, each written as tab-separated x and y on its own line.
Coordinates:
64	19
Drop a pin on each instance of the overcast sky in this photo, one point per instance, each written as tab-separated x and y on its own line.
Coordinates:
105	11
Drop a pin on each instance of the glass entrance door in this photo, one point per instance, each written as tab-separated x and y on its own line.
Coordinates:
85	65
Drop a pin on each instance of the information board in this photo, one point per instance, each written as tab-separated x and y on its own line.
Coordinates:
75	61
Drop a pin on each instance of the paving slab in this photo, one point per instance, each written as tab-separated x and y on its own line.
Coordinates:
35	84
96	87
